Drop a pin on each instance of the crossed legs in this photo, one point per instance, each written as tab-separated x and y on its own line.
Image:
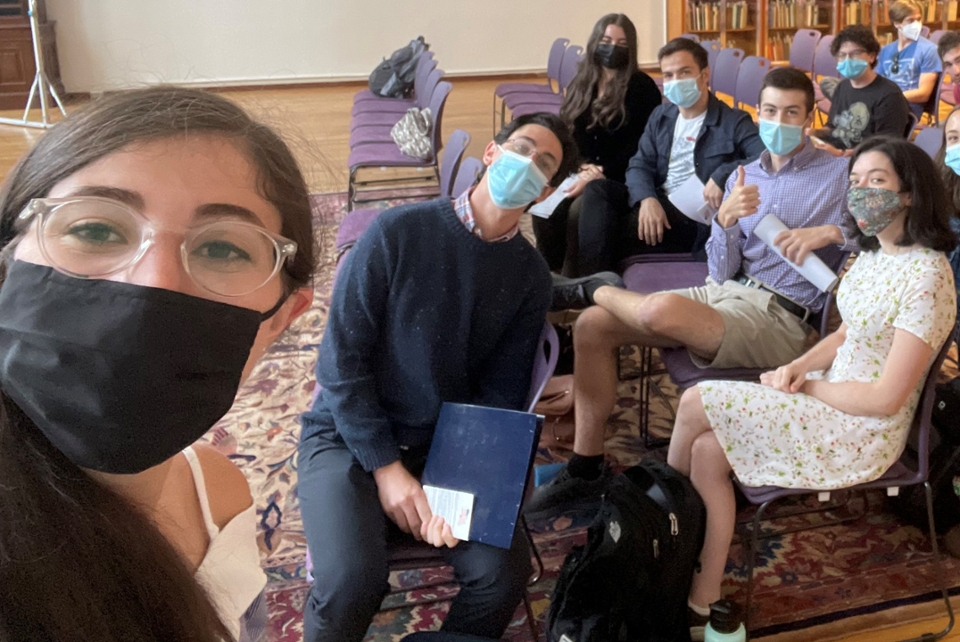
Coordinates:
696	453
659	320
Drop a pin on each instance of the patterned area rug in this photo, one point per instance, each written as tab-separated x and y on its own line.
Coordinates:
816	584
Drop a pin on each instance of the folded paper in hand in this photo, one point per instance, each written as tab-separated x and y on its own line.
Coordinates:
455	507
812	268
688	198
545	208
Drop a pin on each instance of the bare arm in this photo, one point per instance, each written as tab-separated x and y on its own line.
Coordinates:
793	376
905	365
928	82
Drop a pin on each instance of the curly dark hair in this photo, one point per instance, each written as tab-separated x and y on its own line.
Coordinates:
858	35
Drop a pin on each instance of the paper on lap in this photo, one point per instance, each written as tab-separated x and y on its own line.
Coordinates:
454	506
545	208
812	268
688	198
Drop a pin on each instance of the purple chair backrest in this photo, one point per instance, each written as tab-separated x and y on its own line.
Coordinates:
930	139
555	59
466	175
932	106
936	35
824	64
437	101
925	32
425	65
753	70
452	154
690	36
713	50
571	61
921	418
548	349
723	77
804	48
433	79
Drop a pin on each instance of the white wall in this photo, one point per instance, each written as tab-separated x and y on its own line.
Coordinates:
112	44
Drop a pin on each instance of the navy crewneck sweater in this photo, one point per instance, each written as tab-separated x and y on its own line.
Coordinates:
424	312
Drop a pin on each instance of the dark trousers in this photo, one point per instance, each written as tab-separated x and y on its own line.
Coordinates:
435	636
607	229
347	532
557	237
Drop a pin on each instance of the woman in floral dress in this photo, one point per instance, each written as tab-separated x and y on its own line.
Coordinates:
841	413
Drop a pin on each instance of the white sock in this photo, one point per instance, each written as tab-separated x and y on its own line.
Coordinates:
699	610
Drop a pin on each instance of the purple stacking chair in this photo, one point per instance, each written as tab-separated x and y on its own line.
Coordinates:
925	32
410	554
932	107
713	48
690	36
645	274
929	139
824	65
467	175
357	221
374	122
723	76
520	104
804	48
424	88
753	70
554	62
936	35
380	155
425	65
901	474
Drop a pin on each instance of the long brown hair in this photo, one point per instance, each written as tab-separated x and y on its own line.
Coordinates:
609	108
77	561
950	179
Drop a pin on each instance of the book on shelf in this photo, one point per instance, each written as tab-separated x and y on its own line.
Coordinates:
952	10
739	15
706	16
778	47
787	14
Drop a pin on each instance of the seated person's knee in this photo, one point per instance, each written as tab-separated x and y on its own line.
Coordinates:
657	312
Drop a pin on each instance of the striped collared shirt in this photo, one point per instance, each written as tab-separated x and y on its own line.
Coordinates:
465	214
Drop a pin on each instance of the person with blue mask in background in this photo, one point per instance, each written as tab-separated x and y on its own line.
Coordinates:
864	103
948	161
911	61
438	301
695	134
753	311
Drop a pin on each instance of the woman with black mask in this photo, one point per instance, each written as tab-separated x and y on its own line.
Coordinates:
154	244
607	104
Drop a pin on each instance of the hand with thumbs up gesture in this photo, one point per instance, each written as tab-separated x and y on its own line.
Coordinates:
744	200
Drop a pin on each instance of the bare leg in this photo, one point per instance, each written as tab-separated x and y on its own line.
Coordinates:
597	338
710	475
665	319
695	452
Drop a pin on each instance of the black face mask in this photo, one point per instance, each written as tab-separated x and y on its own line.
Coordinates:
611	56
118	377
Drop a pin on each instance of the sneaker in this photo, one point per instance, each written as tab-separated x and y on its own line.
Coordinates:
566	492
577	294
697	624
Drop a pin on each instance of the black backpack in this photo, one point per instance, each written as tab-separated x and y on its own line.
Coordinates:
911	503
393	78
631	580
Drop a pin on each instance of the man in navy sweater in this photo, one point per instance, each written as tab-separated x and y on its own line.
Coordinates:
437	301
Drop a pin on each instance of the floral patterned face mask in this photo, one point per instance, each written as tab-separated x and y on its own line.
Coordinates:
873	207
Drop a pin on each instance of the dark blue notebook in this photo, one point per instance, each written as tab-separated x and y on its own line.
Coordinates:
487	452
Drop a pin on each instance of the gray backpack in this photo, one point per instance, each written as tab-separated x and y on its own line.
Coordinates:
393	78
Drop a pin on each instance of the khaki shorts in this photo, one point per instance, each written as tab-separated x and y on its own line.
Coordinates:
757	332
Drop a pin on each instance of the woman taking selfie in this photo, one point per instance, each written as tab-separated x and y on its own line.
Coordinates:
155	243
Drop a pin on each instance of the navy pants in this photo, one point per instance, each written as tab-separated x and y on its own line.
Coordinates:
347	532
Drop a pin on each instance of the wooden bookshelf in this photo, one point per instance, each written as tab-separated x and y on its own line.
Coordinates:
735	23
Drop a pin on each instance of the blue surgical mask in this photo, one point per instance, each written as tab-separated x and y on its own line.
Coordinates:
780	138
682	93
852	67
514	181
952	158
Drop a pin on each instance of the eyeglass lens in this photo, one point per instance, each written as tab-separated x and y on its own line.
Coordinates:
96	238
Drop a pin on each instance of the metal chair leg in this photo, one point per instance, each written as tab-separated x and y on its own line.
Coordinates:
751	562
930	637
536	553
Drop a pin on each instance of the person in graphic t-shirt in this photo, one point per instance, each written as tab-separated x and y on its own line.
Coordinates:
911	61
696	134
864	103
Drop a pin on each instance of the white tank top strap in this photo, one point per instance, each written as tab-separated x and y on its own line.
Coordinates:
198	481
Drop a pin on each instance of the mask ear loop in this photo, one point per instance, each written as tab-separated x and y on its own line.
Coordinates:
276	308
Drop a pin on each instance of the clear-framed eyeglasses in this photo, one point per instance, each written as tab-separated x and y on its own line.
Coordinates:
90	237
525	148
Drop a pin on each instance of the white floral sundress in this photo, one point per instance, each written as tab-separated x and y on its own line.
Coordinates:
774	438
